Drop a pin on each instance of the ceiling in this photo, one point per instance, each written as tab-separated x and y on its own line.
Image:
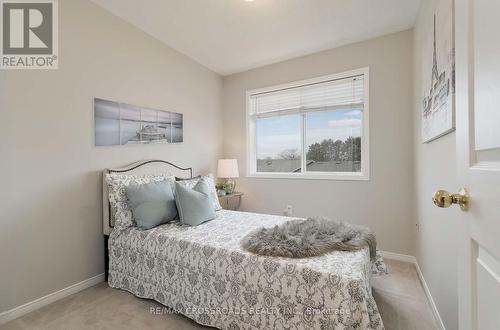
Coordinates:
230	36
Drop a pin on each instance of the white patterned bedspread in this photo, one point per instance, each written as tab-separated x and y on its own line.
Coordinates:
203	273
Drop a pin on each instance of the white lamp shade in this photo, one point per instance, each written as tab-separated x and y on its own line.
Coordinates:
227	168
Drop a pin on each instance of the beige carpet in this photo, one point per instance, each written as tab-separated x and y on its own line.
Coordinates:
399	295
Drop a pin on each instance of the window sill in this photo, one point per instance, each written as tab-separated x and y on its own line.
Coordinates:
311	176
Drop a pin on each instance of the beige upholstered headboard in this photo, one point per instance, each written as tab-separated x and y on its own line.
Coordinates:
154	166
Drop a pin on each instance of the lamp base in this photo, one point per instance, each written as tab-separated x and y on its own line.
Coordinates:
229	185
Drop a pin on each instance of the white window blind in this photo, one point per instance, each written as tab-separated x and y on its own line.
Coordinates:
313	129
327	95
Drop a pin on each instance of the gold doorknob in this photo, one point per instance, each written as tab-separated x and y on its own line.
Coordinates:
442	198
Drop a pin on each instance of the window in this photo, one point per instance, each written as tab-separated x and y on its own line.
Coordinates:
316	128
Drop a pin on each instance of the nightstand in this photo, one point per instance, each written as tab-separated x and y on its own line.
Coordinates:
231	201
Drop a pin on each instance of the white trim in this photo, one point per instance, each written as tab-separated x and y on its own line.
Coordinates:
24	309
399	257
251	152
489	263
429	296
413	260
341	176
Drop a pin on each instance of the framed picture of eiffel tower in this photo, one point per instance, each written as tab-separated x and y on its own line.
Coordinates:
438	102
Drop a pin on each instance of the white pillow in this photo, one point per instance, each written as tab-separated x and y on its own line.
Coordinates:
209	178
117	183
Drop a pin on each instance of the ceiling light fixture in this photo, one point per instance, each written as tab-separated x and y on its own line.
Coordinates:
248	0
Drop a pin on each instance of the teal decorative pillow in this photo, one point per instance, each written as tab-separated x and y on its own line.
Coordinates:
117	183
190	183
195	205
152	204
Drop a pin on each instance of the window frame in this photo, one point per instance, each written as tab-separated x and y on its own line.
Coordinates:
251	136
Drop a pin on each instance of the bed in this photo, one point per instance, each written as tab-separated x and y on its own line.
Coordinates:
203	273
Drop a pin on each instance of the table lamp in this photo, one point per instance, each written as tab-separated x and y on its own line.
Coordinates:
228	169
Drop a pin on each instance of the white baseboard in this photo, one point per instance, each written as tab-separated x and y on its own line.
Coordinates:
19	311
413	260
398	256
429	296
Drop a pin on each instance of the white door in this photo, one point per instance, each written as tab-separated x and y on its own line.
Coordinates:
477	42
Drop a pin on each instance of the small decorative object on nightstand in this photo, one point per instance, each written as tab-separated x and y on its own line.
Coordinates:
228	169
231	201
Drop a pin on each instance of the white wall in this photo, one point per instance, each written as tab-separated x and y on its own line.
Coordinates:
436	238
385	202
50	224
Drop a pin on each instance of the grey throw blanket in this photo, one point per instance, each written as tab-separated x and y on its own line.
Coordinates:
307	238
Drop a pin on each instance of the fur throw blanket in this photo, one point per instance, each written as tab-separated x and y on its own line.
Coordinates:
308	238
